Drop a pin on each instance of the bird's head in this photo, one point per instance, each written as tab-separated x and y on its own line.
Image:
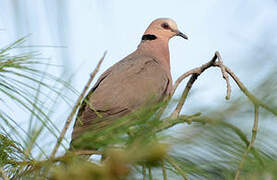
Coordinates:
163	28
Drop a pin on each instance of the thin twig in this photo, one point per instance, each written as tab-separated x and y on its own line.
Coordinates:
163	107
195	73
70	117
150	173
182	100
250	96
175	165
34	165
3	174
224	74
144	172
182	77
164	170
175	116
168	123
12	144
253	138
57	159
86	152
197	70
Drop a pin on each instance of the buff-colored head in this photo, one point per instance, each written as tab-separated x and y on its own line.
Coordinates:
164	28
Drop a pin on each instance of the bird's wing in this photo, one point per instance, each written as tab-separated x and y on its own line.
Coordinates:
125	87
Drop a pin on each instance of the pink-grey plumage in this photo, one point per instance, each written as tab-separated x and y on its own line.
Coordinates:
128	85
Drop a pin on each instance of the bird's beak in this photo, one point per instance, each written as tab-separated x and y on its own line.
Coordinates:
179	33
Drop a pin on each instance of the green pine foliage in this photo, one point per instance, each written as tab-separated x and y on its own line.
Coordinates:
139	146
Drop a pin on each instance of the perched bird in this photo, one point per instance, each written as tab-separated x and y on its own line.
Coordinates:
130	83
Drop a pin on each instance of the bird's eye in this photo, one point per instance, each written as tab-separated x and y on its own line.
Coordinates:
165	26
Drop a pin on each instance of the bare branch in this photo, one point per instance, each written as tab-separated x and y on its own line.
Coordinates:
225	71
175	117
69	119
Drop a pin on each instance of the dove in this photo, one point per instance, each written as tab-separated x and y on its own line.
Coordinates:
129	84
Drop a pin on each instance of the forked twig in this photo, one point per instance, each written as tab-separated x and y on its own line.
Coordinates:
70	117
225	70
175	117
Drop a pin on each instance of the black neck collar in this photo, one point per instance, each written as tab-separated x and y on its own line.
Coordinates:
149	37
